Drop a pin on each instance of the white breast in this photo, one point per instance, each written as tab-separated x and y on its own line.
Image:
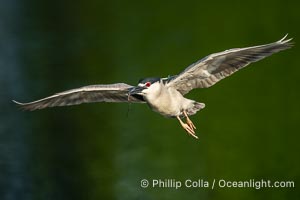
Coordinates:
168	102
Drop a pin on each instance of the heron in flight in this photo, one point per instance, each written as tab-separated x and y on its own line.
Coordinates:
166	95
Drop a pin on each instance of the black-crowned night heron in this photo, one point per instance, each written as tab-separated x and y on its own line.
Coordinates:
166	95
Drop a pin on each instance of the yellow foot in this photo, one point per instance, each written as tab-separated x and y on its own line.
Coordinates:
190	123
189	129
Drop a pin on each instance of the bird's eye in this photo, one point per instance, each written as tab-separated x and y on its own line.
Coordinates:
148	84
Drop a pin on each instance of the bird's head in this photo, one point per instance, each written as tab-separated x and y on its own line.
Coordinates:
147	86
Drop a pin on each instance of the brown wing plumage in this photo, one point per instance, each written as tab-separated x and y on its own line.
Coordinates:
213	68
94	93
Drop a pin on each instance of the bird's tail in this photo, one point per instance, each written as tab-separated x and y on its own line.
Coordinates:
197	106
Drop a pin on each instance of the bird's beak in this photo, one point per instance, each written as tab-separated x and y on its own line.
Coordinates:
136	90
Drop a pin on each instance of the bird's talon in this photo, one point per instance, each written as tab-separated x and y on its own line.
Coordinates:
190	123
195	136
189	130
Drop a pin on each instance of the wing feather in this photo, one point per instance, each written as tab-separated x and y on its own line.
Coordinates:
215	67
93	93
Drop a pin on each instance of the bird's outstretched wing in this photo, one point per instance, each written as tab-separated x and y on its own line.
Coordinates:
213	68
93	93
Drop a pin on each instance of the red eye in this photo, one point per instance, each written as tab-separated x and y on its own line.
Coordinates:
148	84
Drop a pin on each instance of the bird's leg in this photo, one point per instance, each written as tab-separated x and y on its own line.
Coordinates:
188	121
187	128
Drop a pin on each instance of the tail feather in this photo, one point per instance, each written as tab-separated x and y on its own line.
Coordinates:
197	106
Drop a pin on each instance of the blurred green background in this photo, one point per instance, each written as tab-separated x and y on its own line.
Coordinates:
248	130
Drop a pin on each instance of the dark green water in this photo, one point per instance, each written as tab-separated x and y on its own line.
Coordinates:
248	130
